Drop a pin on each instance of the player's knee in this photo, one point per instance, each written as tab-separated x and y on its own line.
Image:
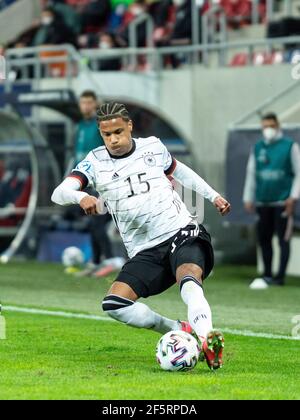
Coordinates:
192	270
114	305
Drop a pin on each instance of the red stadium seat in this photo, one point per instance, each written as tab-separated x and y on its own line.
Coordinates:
258	59
239	12
240	59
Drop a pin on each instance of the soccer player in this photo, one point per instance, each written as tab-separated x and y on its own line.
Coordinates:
164	243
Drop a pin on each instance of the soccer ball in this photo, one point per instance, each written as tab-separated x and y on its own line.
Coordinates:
177	350
72	257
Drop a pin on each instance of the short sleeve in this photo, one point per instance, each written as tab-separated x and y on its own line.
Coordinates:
84	172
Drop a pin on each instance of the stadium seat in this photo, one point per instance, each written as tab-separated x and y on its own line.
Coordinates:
57	69
240	59
278	57
258	59
239	12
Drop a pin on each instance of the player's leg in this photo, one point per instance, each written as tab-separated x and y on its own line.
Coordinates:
189	279
121	300
192	261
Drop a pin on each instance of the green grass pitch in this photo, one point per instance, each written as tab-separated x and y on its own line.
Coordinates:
47	357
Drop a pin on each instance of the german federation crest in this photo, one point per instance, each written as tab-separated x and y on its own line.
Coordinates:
149	159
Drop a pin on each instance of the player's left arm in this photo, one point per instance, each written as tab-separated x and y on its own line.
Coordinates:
189	179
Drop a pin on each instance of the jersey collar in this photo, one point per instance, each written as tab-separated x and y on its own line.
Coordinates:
132	150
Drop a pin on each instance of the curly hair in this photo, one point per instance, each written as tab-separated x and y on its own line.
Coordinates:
111	110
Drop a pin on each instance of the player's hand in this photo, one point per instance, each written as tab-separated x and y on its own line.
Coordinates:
222	205
89	204
289	206
249	207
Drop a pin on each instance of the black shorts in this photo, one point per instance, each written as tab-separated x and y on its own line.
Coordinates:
153	271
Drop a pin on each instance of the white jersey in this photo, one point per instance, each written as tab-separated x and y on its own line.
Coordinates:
145	208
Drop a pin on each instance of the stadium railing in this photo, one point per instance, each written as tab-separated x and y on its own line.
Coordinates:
214	29
270	8
27	64
21	59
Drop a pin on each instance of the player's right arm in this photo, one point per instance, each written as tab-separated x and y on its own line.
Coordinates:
70	190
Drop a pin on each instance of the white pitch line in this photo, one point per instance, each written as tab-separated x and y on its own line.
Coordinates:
55	313
63	314
268	336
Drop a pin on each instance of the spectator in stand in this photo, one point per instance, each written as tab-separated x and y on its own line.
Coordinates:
120	18
163	17
238	12
180	31
136	9
103	41
94	13
116	3
153	6
52	30
108	41
69	14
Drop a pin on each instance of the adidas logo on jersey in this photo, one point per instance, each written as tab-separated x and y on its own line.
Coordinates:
115	175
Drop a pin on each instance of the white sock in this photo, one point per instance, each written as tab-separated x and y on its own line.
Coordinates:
199	313
138	315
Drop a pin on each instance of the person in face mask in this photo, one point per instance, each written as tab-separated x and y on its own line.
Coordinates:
179	3
52	30
108	41
272	188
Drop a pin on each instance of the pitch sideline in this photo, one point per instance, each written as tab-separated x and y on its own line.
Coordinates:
63	314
